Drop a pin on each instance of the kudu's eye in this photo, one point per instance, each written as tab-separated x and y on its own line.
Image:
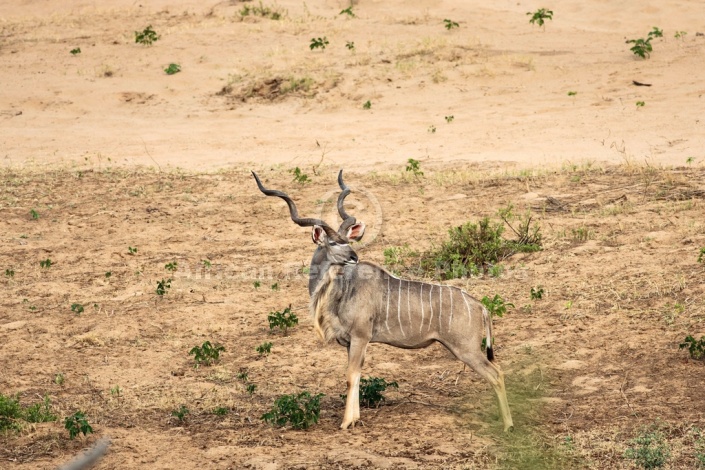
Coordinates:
332	243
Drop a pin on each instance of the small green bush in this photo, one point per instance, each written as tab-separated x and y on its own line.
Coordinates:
146	37
282	320
300	411
10	413
496	305
474	248
13	415
77	424
371	390
696	348
648	450
206	354
264	349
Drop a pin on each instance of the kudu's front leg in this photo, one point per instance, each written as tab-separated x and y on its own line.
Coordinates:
356	357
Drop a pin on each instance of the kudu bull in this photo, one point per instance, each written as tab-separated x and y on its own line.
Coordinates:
356	303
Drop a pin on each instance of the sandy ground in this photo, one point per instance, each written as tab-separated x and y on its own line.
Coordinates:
112	153
504	81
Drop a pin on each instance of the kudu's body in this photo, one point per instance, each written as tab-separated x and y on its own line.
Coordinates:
359	303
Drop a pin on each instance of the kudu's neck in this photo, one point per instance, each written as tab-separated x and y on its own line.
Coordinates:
319	267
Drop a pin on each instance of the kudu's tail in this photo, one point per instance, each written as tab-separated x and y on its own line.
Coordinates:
90	458
488	327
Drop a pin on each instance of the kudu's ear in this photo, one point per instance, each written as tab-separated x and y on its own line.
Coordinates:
356	231
318	235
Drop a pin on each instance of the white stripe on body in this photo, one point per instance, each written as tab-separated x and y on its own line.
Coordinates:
422	314
408	300
430	301
450	320
386	319
399	310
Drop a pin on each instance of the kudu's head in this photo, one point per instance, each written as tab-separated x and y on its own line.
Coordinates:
333	246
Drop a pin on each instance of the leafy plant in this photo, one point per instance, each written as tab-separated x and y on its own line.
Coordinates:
414	167
496	305
242	375
680	34
206	263
474	248
449	24
449	119
172	69
572	93
701	256
13	415
108	274
46	264
648	450
301	410
540	16
348	11
251	388
350	45
319	43
146	37
257	284
59	379
699	441
283	320
180	413
642	47
640	104
696	348
171	267
77	308
40	412
34	214
655	33
371	390
77	424
264	348
75	51
275	286
10	413
115	391
536	293
132	250
431	129
300	176
206	354
367	105
163	286
221	411
9	272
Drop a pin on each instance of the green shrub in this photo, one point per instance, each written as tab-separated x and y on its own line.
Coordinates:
474	248
648	450
371	390
12	414
206	354
496	305
76	424
300	411
282	320
696	348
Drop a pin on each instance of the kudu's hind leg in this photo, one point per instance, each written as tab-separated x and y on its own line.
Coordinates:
493	374
356	357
